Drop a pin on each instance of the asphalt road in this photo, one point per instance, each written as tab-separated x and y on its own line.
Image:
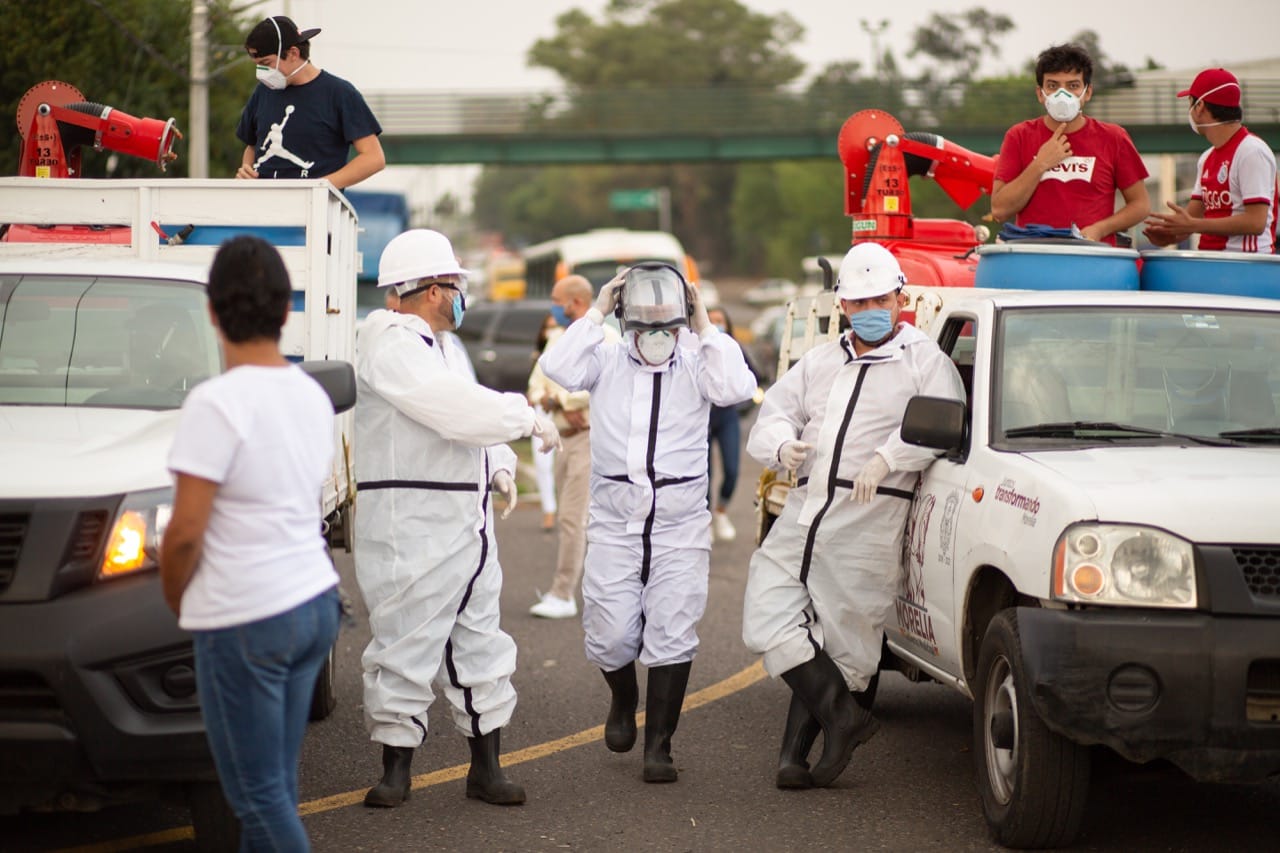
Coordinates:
909	789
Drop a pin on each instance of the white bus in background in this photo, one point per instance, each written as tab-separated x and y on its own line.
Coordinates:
597	255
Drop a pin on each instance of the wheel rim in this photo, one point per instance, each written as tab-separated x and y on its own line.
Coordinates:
1000	697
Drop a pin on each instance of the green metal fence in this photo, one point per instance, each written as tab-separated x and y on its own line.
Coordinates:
716	123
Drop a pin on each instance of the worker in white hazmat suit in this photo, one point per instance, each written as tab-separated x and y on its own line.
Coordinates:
429	445
822	583
644	585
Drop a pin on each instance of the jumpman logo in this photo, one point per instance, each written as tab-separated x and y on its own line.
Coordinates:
274	146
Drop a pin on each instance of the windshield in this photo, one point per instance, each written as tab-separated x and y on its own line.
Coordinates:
1111	375
97	341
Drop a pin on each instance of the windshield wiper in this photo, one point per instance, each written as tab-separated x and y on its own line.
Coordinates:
1071	429
1263	435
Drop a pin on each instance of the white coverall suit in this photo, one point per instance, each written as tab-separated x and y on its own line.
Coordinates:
826	574
425	555
644	585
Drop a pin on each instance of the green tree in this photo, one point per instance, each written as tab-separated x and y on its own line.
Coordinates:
653	43
132	55
957	44
624	69
786	210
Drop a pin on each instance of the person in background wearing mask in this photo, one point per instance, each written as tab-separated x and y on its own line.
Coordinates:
822	584
1233	207
649	538
429	446
301	121
1064	168
571	413
243	562
725	430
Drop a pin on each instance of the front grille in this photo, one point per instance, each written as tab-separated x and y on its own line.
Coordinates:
13	530
25	693
87	536
1261	570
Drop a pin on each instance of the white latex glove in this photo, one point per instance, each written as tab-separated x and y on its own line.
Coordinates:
700	321
505	486
864	485
546	433
791	454
608	298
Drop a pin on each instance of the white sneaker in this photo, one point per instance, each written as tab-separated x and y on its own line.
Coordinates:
553	607
721	527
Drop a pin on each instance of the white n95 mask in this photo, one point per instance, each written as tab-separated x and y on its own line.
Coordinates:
656	347
272	78
1062	105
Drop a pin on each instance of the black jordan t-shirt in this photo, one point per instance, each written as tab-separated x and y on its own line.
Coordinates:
305	131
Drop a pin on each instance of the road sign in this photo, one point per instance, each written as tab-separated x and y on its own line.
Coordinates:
633	200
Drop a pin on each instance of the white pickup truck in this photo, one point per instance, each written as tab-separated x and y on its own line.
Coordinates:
103	330
1095	558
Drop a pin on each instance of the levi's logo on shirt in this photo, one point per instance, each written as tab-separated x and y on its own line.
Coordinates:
1071	169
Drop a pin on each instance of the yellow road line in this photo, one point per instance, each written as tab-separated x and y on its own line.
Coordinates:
707	695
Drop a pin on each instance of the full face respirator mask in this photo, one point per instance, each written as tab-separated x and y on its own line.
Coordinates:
653	303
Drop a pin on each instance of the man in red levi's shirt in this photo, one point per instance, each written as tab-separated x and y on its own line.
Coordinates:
1065	168
1233	206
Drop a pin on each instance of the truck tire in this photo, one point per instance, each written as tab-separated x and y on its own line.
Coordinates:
216	826
1034	782
324	698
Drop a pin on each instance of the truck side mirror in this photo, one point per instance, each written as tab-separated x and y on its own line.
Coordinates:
937	422
337	378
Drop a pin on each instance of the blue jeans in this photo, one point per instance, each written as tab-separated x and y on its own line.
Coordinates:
725	430
255	682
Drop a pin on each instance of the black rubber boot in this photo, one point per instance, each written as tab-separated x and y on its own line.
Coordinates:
485	780
620	726
394	787
663	699
797	739
845	723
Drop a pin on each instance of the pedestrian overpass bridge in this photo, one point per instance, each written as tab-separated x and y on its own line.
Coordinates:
739	124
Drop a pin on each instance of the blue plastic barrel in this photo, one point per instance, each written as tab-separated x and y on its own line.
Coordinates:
1066	265
1237	273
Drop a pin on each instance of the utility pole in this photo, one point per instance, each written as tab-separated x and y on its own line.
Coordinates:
664	209
874	32
198	131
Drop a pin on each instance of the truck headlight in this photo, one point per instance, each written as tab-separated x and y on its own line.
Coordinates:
134	543
1124	564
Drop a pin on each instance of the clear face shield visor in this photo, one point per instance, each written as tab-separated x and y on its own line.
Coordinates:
653	296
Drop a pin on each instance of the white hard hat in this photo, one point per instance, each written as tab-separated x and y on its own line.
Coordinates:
417	254
868	270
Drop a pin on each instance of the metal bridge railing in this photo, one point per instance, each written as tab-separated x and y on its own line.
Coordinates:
744	111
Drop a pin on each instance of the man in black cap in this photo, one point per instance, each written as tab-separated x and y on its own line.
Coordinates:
300	120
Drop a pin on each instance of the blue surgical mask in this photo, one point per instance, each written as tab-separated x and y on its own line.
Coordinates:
872	325
557	314
459	307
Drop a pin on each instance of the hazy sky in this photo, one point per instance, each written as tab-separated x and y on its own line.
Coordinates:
482	44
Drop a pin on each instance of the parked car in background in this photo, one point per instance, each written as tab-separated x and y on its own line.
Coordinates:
771	291
501	339
766	339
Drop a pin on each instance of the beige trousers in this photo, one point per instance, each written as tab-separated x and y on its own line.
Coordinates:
573	493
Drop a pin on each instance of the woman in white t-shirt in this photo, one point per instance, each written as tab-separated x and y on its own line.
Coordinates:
243	561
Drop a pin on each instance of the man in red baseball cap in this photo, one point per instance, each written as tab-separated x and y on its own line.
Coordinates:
1233	206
